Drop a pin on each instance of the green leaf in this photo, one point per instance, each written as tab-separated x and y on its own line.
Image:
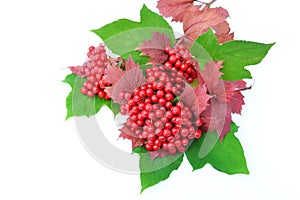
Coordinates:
115	108
152	172
236	54
203	48
137	57
226	156
79	104
123	36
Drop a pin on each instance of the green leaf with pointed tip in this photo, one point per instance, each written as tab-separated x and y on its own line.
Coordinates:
79	104
226	156
123	36
236	54
137	57
152	172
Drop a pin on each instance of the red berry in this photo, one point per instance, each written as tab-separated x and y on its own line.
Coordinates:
148	107
154	99
156	147
175	110
160	93
166	133
184	132
169	114
185	142
175	130
178	143
190	79
168	49
184	67
168	125
168	65
84	90
172	59
198	134
165	145
199	122
142	93
168	104
162	101
148	147
162	138
101	94
169	97
90	94
149	92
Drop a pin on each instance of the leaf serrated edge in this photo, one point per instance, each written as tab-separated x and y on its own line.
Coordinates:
180	160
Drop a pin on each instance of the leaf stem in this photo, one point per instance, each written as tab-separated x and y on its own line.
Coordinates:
246	88
206	4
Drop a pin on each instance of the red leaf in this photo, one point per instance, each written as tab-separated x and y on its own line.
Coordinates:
222	32
217	117
226	99
237	99
195	98
174	8
130	80
155	48
197	22
130	64
202	97
113	74
211	75
126	133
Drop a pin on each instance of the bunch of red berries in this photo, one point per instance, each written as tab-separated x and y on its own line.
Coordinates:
181	60
172	80
94	69
157	120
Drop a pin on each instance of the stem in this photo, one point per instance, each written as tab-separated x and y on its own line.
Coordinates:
206	4
247	88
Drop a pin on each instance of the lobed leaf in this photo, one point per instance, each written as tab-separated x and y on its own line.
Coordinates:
130	33
79	104
235	54
226	156
155	171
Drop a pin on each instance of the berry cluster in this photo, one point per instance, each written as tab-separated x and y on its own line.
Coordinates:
171	79
94	69
157	120
181	60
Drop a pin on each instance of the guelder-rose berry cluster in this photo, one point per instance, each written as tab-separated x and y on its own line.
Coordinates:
94	69
171	79
181	60
157	121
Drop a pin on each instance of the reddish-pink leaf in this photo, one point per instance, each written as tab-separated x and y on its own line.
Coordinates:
237	100
211	75
202	97
217	117
237	103
222	31
195	98
155	48
132	79
226	99
113	74
197	22
126	133
130	64
175	9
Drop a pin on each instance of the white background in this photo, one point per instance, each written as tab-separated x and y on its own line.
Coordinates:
41	156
